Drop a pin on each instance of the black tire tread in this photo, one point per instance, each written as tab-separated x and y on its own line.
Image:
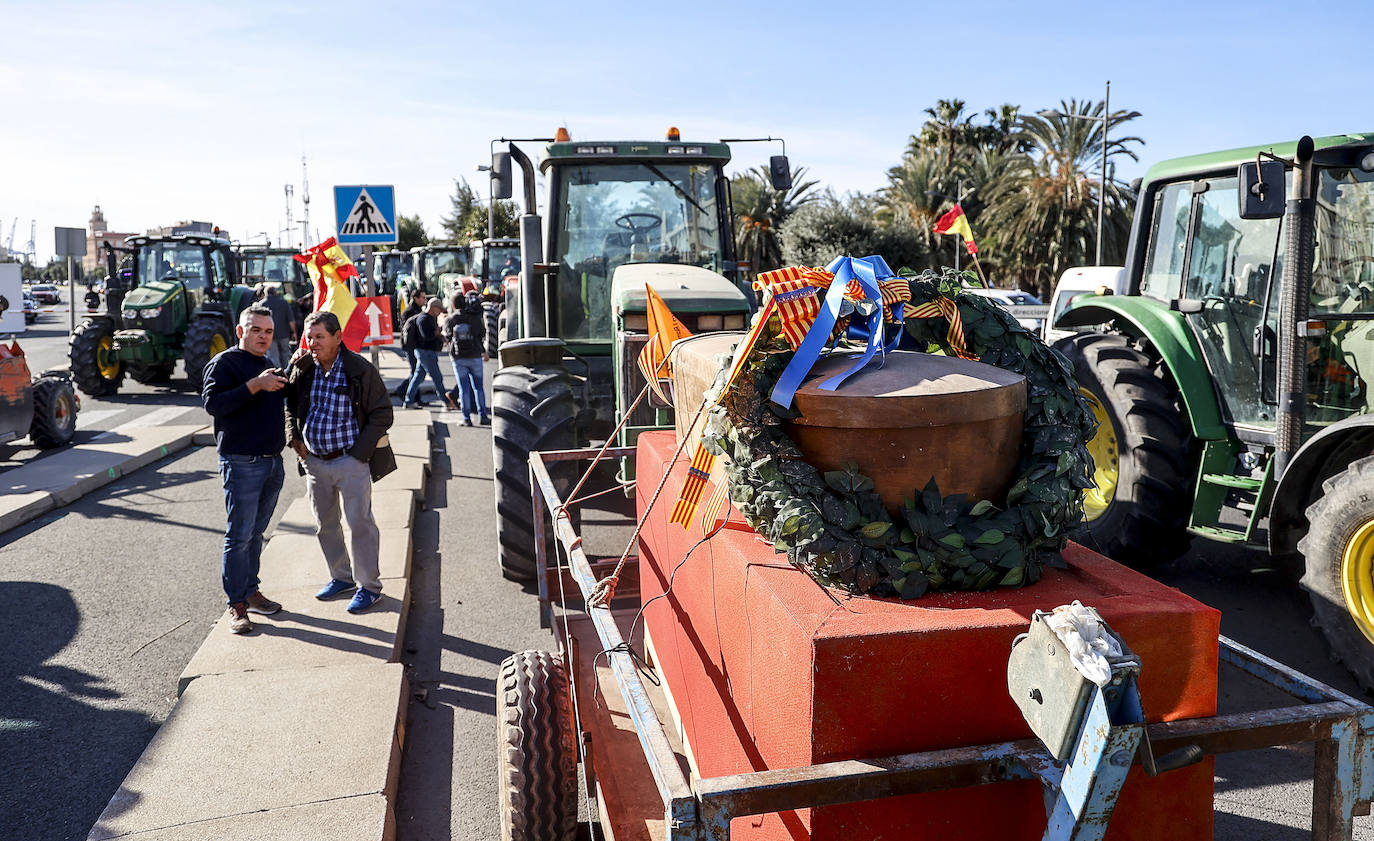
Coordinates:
47	431
1344	505
493	325
536	749
83	351
532	409
196	347
1149	526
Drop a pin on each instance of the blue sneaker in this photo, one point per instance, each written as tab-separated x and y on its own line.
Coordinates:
362	600
334	589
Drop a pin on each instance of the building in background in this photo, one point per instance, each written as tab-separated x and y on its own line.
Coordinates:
96	233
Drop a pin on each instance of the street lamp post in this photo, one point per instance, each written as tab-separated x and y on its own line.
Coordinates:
1102	180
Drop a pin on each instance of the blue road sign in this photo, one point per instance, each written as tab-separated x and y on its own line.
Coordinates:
365	214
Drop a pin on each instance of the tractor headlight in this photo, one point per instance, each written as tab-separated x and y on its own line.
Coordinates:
709	322
152	312
734	322
131	314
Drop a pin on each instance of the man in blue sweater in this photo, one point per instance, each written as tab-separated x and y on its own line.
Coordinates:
244	395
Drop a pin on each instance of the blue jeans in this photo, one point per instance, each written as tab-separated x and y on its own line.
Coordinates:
426	362
251	486
468	372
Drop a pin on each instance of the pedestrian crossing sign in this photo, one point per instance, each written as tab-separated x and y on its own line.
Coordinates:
366	214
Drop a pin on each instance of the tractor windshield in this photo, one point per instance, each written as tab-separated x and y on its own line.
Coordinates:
394	270
502	260
172	261
613	214
280	270
439	263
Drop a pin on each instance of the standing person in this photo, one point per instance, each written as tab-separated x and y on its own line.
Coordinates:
415	306
466	331
244	395
283	325
337	411
428	342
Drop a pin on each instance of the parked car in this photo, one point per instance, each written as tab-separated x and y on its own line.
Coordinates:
1027	308
30	308
46	293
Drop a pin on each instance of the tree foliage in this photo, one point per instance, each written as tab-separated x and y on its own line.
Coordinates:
467	216
761	211
831	226
410	232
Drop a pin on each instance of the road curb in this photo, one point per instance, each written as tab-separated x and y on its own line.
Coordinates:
94	466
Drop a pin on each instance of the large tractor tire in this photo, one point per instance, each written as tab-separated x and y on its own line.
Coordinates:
206	338
94	369
146	373
1138	512
54	412
1338	554
536	749
493	325
532	409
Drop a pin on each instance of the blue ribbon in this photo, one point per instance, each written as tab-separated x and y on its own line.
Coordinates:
868	271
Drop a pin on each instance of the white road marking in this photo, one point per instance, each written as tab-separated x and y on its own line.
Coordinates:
157	417
87	417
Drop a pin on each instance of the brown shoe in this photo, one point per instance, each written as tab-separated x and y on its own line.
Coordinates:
258	603
238	618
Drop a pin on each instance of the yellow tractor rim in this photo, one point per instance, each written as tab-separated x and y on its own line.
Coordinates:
218	344
1106	469
109	368
1357	578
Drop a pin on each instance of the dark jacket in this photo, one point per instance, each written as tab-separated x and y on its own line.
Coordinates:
412	309
476	323
245	424
428	328
366	392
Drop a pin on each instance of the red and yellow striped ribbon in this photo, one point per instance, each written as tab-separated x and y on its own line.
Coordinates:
690	496
945	308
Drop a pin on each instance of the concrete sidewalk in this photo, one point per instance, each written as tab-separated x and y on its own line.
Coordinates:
293	731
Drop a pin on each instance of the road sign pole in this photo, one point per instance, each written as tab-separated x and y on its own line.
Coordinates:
71	295
369	289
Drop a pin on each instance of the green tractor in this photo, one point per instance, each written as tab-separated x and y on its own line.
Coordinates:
442	270
495	263
169	298
1232	379
276	267
621	214
394	274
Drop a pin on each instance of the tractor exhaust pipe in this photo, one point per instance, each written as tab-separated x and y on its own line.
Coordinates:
532	283
1299	225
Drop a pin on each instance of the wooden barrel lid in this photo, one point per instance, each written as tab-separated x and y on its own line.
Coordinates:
912	389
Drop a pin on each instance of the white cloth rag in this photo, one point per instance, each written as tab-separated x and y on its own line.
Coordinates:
1084	633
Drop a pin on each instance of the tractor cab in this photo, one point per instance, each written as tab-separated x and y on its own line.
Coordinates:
442	270
495	263
275	267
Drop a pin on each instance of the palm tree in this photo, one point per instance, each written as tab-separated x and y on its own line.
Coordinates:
760	212
1045	217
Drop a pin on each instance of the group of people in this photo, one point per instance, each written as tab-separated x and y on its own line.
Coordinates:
427	331
331	407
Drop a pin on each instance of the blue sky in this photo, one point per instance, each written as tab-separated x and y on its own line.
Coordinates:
167	111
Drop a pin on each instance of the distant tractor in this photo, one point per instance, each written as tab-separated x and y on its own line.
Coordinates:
1231	376
394	275
168	298
442	270
621	214
276	267
496	265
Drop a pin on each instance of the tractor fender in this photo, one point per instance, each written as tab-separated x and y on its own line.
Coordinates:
240	297
1324	455
1171	338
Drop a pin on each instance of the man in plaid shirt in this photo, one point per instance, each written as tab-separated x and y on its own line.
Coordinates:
337	410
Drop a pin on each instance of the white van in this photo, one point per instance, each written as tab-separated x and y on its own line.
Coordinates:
1098	280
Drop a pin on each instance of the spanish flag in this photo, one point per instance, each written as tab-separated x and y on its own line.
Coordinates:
955	222
330	269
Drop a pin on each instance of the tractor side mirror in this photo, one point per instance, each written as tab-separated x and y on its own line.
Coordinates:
501	185
1261	190
780	172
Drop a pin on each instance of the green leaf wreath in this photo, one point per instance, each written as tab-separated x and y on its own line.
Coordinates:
834	526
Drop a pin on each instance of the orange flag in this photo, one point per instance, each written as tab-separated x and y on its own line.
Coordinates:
664	329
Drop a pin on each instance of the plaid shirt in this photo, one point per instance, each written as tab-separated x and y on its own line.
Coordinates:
330	425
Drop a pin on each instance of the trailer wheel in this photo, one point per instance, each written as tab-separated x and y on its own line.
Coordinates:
532	409
206	338
1338	552
94	367
1138	512
493	325
54	412
536	749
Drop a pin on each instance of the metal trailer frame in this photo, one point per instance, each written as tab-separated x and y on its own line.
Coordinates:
1340	726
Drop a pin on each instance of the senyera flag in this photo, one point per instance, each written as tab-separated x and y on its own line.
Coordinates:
330	268
955	222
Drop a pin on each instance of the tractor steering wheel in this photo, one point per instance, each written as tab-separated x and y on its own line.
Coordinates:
628	222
